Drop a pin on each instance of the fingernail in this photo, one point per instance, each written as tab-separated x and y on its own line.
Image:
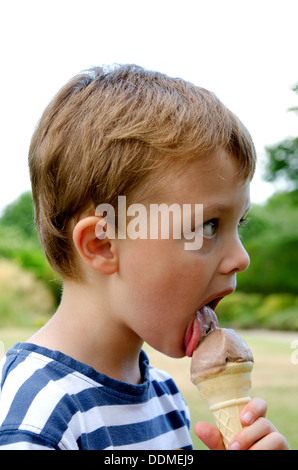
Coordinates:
235	446
247	418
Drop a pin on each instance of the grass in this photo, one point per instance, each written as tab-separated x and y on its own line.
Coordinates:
274	378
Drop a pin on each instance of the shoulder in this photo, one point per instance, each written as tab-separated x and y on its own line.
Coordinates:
37	397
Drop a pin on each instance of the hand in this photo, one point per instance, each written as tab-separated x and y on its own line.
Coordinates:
257	434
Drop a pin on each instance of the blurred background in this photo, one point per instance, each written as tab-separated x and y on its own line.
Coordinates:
244	51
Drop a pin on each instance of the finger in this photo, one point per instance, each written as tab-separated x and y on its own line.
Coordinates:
209	435
250	435
254	409
273	441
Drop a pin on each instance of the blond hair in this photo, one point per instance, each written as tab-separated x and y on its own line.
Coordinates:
106	131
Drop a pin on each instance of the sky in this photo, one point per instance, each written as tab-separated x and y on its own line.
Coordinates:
243	50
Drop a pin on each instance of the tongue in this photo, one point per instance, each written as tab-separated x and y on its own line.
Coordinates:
204	321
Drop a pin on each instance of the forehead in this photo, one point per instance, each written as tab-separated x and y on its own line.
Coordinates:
213	179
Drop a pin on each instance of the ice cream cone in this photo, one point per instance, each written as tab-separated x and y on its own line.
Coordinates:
226	392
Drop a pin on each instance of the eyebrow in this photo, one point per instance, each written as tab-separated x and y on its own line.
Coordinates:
220	207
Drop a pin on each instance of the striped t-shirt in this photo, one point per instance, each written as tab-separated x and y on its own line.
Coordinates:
51	401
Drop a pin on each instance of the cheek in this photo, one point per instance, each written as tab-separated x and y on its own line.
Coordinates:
160	291
162	282
157	271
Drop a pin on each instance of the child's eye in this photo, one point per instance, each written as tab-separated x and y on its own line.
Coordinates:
241	226
243	222
209	228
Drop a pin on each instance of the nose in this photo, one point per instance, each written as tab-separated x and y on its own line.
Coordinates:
235	258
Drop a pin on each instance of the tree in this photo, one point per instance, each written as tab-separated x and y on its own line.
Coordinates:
271	239
283	158
19	242
20	214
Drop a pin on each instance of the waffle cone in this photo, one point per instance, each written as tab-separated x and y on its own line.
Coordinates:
226	393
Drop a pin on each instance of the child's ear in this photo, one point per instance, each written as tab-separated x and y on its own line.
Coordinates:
97	252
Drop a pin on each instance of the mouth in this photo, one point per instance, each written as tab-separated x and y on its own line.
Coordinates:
203	322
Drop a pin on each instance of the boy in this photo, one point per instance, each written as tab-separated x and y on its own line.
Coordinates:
82	381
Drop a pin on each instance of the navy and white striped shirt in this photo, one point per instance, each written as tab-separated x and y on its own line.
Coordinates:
51	401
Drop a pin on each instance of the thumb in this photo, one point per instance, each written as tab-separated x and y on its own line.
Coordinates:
209	435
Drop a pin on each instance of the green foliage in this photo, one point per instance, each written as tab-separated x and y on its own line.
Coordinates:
273	266
283	158
274	311
271	239
279	311
20	214
239	310
283	161
24	300
19	242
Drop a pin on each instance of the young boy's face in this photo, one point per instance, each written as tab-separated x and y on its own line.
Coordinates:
162	285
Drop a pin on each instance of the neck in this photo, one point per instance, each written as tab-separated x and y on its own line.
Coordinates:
85	328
